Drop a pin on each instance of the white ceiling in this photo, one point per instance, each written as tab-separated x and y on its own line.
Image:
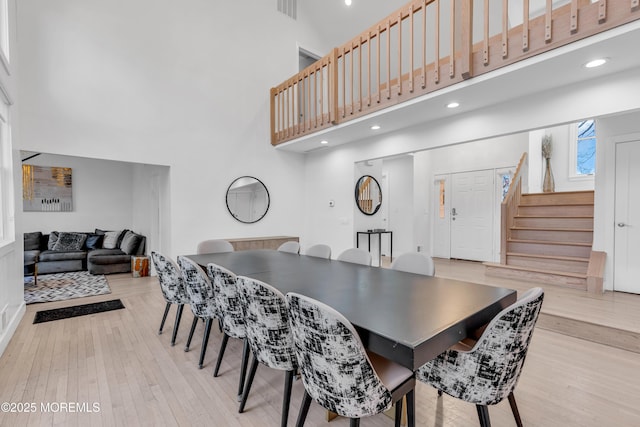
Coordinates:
338	23
556	68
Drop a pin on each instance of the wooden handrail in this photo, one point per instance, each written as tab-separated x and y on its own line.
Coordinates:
381	59
509	207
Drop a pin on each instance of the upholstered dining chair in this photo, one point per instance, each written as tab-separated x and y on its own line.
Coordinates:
225	292
291	247
214	246
202	301
269	335
319	251
337	372
489	371
414	262
355	256
173	290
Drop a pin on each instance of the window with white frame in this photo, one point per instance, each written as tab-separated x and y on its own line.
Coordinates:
582	146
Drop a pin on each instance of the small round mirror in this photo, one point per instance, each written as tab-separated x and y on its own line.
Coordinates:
247	199
368	195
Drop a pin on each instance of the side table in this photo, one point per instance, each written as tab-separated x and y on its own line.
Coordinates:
139	266
379	233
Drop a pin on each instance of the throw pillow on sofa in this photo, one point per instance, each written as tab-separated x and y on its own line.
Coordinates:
111	239
94	241
53	238
130	242
32	241
69	241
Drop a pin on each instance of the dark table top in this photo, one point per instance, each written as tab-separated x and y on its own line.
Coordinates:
405	317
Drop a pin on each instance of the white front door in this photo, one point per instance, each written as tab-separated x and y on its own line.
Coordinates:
472	201
627	218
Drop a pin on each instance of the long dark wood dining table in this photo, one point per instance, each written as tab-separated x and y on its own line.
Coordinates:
408	318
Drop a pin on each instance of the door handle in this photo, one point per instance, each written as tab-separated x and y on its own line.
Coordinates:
453	212
622	224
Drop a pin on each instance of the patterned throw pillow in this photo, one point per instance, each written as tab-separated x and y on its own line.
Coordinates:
69	241
111	239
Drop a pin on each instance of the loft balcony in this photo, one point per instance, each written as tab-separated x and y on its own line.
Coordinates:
407	65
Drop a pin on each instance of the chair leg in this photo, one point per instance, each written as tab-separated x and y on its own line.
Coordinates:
483	415
205	341
398	416
514	409
247	386
439	393
223	347
177	324
243	367
193	329
354	422
304	409
411	408
286	397
164	317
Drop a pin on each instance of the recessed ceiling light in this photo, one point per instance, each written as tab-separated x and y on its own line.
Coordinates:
595	63
375	127
347	2
453	105
324	141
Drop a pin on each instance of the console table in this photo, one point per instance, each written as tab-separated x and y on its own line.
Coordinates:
379	233
267	242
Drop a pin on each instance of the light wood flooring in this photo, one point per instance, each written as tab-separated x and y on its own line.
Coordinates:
119	362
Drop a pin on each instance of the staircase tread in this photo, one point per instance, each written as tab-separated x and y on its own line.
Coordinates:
552	229
544	242
537	270
555	217
559	257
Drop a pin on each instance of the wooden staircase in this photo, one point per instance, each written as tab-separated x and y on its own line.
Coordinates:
548	238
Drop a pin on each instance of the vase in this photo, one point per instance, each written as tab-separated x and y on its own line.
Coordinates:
548	186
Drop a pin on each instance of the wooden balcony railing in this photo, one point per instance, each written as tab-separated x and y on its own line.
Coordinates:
425	46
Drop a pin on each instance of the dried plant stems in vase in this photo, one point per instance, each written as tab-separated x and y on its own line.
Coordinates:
548	185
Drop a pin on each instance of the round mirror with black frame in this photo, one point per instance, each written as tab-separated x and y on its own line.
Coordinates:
368	195
247	199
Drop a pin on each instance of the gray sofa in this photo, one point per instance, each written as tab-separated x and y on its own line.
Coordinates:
99	252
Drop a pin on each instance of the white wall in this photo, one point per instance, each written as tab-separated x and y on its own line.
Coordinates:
179	84
399	172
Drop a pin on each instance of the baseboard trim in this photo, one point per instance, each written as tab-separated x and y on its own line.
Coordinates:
606	335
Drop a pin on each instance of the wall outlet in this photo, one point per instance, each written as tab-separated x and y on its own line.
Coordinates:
419	248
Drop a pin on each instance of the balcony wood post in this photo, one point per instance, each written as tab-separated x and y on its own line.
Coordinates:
333	79
272	102
466	59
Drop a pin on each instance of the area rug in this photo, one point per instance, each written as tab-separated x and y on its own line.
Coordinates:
77	310
64	286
